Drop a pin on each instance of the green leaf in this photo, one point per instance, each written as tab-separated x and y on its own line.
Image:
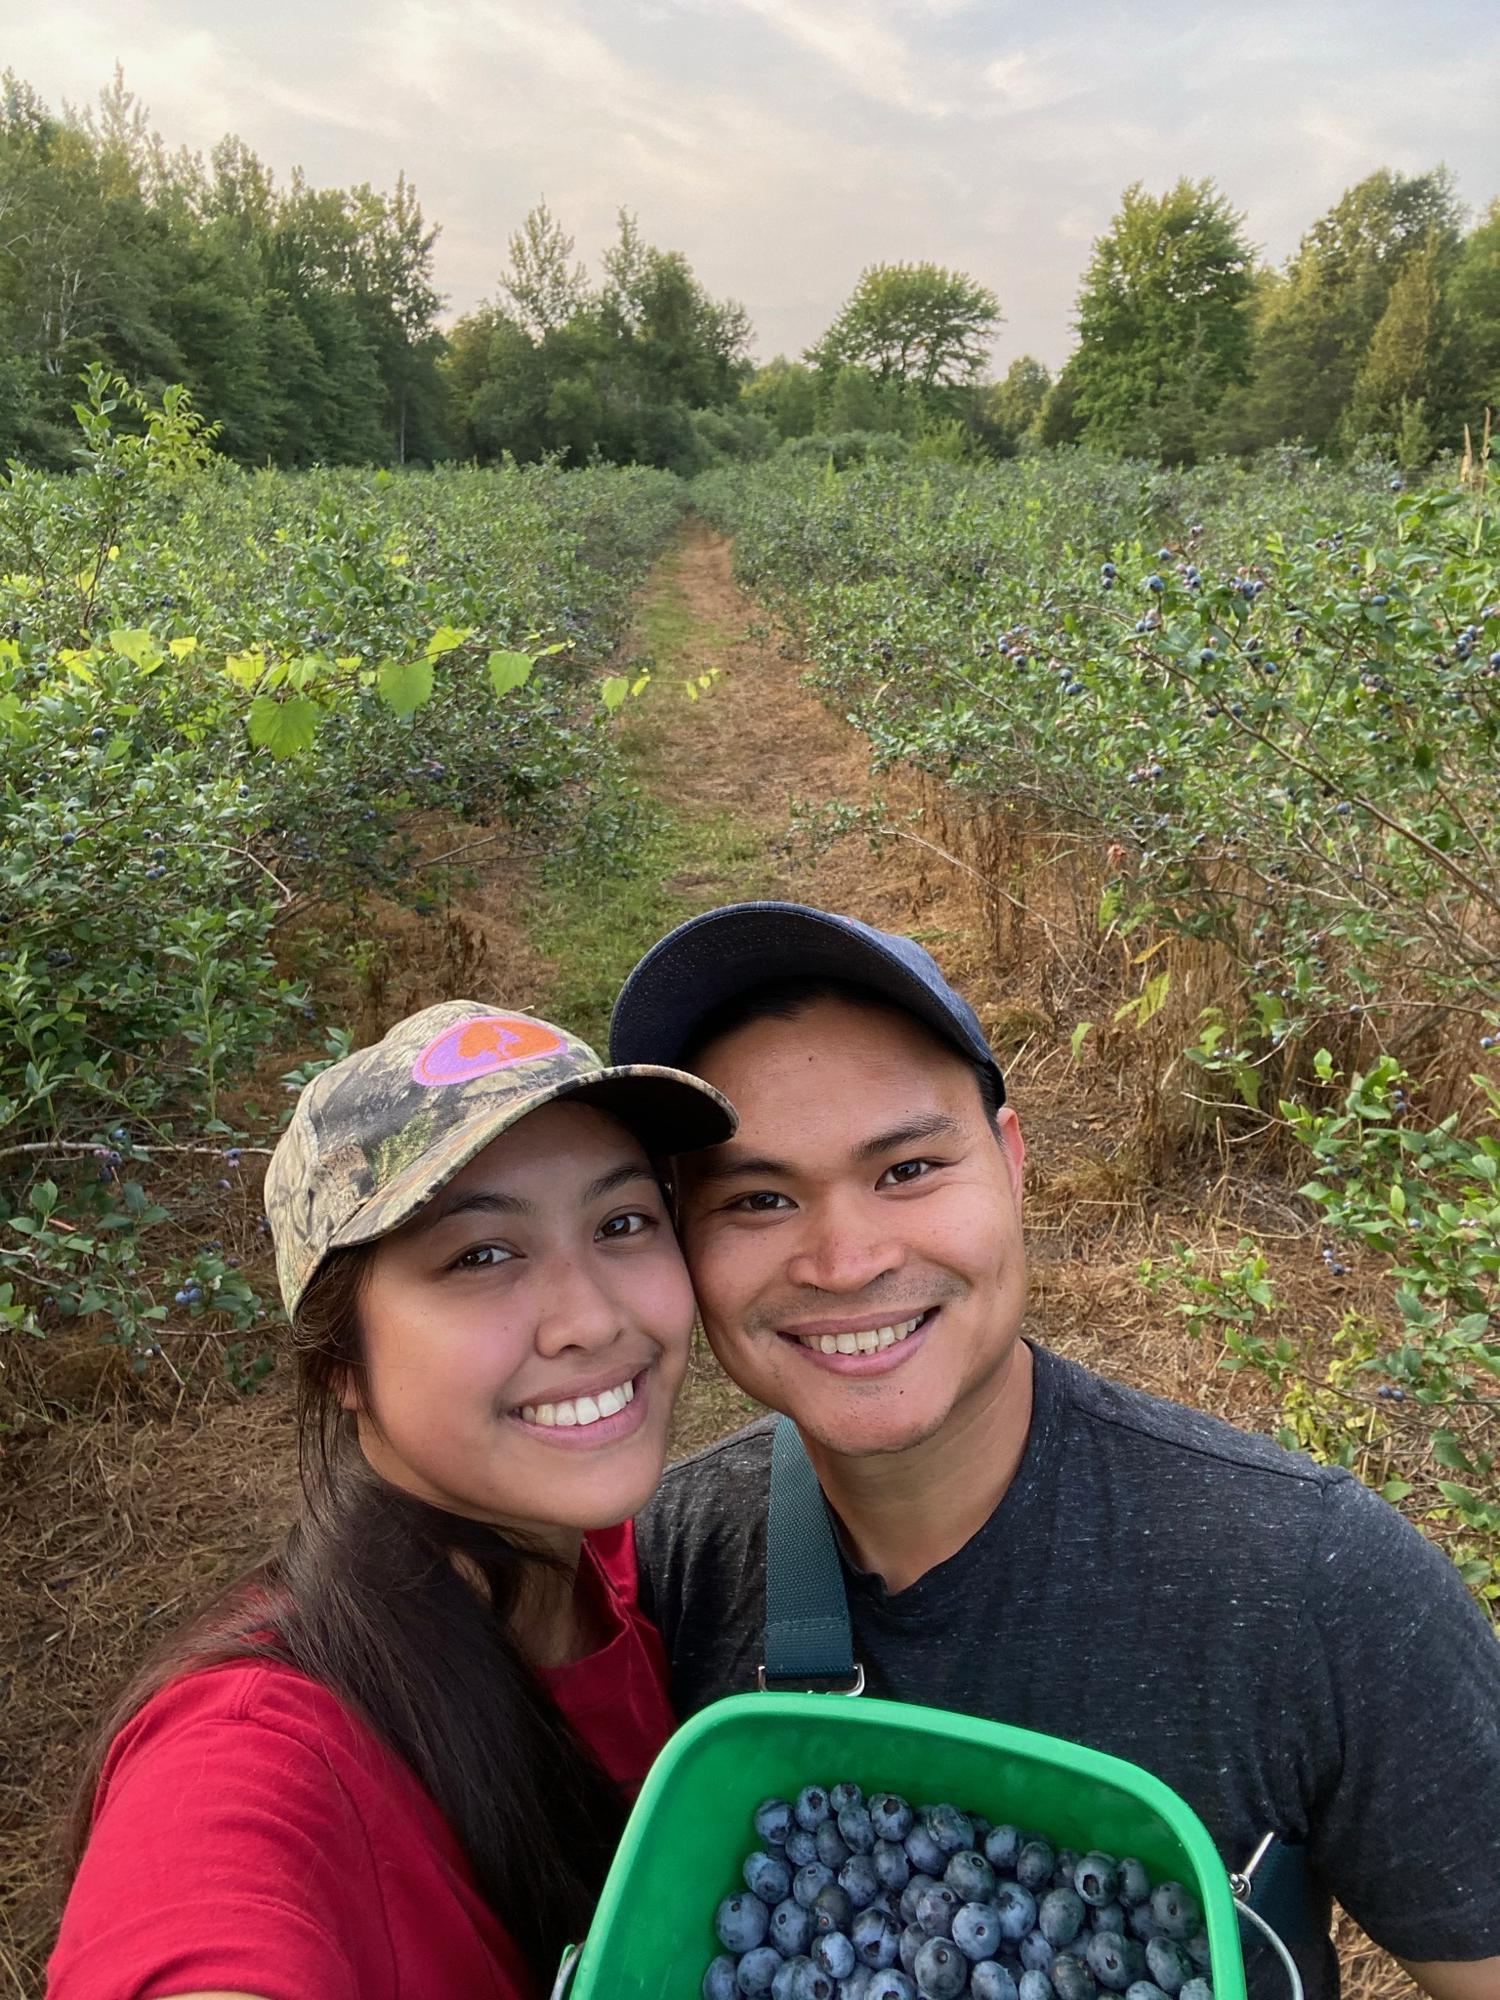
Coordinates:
1075	1040
1396	1490
509	670
1397	1200
404	684
446	639
285	728
614	691
1447	1450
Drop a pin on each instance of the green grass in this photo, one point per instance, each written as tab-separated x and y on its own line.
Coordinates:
595	924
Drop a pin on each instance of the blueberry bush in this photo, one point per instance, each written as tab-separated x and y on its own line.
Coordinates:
1221	747
225	698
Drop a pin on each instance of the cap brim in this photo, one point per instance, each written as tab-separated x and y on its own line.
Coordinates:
667	1110
713	958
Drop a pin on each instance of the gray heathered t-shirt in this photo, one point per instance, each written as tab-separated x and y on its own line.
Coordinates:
1264	1633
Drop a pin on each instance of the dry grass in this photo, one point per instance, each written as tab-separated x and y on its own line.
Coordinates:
126	1506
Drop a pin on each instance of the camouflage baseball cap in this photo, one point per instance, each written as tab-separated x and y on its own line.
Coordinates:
375	1136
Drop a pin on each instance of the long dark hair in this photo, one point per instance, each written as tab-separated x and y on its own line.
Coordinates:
369	1597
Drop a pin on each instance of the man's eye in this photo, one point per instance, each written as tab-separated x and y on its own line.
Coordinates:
906	1171
483	1256
762	1203
618	1227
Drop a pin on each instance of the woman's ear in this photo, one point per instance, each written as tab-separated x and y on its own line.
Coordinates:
347	1388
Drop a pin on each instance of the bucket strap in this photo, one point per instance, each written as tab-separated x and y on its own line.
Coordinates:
808	1644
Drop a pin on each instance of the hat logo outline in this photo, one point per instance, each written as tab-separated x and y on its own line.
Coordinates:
481	1045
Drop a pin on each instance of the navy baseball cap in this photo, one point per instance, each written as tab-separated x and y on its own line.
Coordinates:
711	959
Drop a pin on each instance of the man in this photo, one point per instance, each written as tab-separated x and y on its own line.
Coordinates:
1019	1537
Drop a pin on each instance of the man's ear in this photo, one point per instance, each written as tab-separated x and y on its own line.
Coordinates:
1013	1145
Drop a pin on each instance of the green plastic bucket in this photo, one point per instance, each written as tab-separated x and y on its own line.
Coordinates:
691	1827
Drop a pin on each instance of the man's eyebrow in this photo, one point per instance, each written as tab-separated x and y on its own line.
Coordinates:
490	1201
938	1126
727	1163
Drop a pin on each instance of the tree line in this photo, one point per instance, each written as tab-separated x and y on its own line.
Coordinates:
306	323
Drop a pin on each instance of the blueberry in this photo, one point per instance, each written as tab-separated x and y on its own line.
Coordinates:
951	1829
1108	1958
1097	1879
892	1869
1142	1924
990	1980
1110	1918
1034	1865
1035	1986
834	1954
1168	1964
1065	1867
923	1851
845	1795
911	1942
970	1877
801	1847
1059	1916
876	1939
773	1821
757	1969
1155	583
791	1928
809	1880
832	1909
857	1985
1176	1911
1197	1989
1036	1954
800	1979
1198	1951
1071	1979
942	1971
1016	1908
936	1909
719	1982
741	1922
976	1931
890	1816
911	1895
833	1849
856	1827
890	1985
768	1877
1001	1846
1143	1989
68	839
98	735
812	1807
858	1880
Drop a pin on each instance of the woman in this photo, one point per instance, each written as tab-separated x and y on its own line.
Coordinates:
396	1760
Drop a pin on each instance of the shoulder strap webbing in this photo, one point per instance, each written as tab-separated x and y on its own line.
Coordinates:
808	1643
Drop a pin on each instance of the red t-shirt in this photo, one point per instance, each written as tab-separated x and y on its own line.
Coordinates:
252	1835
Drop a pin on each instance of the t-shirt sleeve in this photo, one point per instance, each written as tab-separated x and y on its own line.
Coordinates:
1405	1825
225	1856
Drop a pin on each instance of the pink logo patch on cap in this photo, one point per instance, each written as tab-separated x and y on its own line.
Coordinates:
488	1042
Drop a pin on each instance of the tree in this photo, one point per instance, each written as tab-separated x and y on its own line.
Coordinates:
1162	322
1408	384
1314	324
917	325
544	286
785	393
1473	300
1015	402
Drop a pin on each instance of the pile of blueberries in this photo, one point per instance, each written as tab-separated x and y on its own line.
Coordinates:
856	1898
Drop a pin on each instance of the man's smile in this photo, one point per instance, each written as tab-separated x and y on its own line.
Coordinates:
859	1347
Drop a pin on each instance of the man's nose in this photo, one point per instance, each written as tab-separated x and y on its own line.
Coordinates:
577	1312
845	1245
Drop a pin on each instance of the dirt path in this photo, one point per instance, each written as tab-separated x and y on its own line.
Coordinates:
135	1510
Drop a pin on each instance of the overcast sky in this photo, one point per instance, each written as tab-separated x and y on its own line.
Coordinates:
784	144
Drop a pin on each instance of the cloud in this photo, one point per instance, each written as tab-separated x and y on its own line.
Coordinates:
881	65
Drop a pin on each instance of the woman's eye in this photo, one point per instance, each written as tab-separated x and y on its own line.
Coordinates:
762	1203
620	1226
906	1171
483	1256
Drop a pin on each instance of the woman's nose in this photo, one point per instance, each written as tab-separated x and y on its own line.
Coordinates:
577	1311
